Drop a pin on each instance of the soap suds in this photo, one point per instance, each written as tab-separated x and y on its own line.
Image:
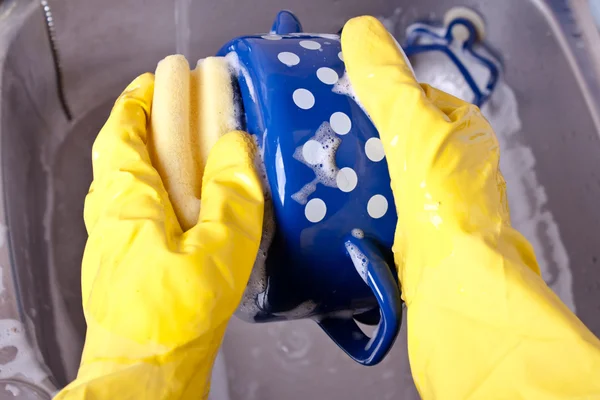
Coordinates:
390	22
344	87
255	292
320	158
25	363
240	69
526	196
358	233
358	259
15	391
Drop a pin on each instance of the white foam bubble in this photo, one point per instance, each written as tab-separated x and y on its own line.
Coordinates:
358	259
358	233
15	391
25	363
325	169
240	69
344	87
390	22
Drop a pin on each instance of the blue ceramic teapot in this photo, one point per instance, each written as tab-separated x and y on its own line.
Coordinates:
330	256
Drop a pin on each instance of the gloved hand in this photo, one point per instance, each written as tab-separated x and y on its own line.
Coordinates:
481	321
156	299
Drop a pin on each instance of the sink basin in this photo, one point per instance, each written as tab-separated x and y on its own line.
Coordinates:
103	44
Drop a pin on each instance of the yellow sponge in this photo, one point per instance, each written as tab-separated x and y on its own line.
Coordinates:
191	110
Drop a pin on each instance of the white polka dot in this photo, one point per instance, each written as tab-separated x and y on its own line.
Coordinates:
271	36
340	123
315	210
312	151
288	58
303	98
341	56
377	206
374	149
327	75
346	179
310	44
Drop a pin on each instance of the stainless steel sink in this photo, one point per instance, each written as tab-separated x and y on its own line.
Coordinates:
551	63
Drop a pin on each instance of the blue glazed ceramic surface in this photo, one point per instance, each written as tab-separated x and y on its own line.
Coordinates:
334	213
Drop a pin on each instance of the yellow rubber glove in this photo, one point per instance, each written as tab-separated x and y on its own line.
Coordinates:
482	324
156	299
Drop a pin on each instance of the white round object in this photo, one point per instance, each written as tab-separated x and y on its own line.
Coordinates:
327	75
340	123
312	151
346	179
377	206
341	56
303	98
315	210
466	13
460	33
271	36
374	149
310	44
288	58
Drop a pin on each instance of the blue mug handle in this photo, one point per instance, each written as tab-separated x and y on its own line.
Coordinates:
344	331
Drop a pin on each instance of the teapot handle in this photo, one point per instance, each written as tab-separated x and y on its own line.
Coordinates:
378	276
285	23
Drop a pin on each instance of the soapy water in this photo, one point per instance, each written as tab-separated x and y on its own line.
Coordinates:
526	196
26	362
318	153
15	391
